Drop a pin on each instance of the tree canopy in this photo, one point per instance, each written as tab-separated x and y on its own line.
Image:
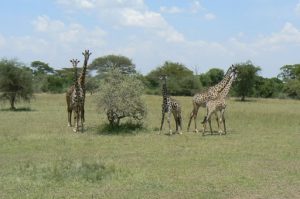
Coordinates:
290	74
120	97
41	68
181	80
15	82
109	62
245	82
212	77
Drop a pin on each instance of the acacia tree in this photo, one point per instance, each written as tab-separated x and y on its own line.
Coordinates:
15	82
120	97
110	62
181	80
245	82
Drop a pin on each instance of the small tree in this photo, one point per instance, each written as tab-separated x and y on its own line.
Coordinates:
15	82
120	97
245	82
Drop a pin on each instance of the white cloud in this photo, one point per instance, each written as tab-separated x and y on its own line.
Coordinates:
288	34
171	35
171	10
44	24
209	16
196	6
151	21
131	17
81	4
29	43
64	34
101	4
297	9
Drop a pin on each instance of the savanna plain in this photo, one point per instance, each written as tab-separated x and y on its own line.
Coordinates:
41	157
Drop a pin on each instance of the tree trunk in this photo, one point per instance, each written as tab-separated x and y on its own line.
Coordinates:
243	98
12	102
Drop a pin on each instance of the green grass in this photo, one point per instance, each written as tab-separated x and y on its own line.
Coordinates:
40	157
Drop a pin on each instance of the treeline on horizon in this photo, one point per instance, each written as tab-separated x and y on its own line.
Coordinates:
181	80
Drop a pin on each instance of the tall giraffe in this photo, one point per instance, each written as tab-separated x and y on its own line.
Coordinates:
200	99
81	81
218	104
77	98
169	106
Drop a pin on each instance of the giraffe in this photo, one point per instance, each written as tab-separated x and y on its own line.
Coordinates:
218	104
200	99
77	99
169	106
81	81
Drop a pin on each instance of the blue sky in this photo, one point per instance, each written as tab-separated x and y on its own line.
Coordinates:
201	34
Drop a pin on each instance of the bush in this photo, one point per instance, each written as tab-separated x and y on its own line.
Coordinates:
120	97
15	82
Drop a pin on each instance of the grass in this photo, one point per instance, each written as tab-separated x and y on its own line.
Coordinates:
40	157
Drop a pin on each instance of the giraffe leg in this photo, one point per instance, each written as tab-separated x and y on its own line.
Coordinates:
82	115
82	123
209	121
179	123
206	119
176	121
204	125
162	122
69	117
169	122
193	115
217	120
223	120
76	122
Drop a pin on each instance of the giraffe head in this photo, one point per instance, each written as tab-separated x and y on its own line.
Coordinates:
234	71
86	54
74	62
163	77
233	74
231	69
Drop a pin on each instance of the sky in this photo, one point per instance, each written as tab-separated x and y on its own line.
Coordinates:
201	34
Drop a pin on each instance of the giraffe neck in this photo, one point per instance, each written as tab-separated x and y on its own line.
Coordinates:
165	95
226	89
76	84
220	86
82	75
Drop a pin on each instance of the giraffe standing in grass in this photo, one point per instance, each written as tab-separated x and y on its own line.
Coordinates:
77	99
169	106
200	99
81	81
218	104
